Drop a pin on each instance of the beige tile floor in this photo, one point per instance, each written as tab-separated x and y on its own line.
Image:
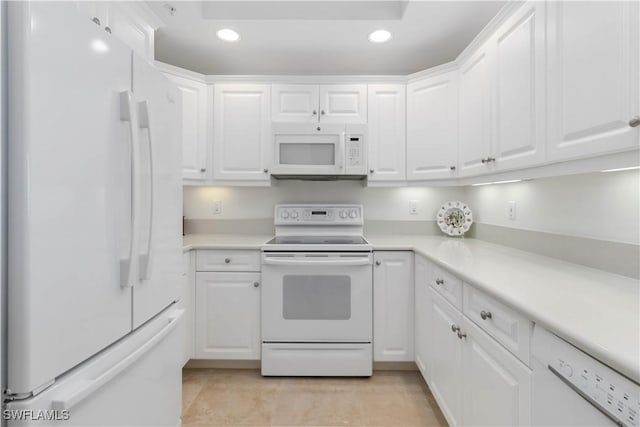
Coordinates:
223	397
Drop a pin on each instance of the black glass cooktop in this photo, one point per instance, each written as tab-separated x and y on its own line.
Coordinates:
317	240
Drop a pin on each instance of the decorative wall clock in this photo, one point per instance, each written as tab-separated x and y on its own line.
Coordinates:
454	218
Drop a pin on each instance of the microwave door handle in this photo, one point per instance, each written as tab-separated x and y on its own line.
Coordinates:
341	152
324	263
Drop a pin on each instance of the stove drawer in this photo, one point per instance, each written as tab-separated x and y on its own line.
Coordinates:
227	260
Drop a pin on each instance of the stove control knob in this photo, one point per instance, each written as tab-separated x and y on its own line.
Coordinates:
343	214
294	214
353	214
284	214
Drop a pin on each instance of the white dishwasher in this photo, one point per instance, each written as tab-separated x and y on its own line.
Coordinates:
571	388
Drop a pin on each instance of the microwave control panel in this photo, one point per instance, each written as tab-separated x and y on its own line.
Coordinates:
356	153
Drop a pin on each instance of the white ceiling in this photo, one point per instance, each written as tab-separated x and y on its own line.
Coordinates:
425	34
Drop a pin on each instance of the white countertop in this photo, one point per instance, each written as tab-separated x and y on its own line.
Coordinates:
224	241
596	311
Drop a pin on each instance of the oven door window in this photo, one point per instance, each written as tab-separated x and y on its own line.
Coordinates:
316	297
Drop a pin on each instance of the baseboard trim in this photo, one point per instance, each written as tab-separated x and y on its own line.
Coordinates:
255	364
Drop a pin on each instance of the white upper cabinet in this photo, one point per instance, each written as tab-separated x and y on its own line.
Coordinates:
518	92
386	138
319	103
241	127
475	115
295	103
194	128
393	306
432	127
593	55
343	103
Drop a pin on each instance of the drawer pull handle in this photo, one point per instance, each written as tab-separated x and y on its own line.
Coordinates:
462	335
485	315
455	328
439	281
378	263
256	284
227	260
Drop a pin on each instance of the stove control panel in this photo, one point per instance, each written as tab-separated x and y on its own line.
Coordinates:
318	215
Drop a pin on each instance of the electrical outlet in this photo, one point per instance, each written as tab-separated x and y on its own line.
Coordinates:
217	207
512	210
413	207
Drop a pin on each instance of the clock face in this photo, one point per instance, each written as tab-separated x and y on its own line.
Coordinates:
454	218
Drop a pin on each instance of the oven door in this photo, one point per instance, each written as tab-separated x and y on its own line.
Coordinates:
304	149
317	297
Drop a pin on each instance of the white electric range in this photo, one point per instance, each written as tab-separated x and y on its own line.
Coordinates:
317	293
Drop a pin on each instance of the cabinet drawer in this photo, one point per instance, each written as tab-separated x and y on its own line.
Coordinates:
507	326
223	260
447	285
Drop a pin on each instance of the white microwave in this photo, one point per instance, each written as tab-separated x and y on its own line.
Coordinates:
319	150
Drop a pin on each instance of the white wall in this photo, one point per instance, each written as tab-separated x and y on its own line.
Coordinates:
598	205
379	203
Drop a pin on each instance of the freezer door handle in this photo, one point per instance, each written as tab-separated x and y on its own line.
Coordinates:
145	258
87	387
127	114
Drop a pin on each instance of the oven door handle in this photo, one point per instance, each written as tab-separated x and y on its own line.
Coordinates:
325	262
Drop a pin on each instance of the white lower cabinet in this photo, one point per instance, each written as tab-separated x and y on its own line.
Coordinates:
393	306
475	380
496	385
423	271
227	315
446	359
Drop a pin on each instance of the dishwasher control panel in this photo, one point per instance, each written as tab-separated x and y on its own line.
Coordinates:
611	393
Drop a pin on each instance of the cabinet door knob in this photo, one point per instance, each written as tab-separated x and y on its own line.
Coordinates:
439	281
371	171
107	29
227	260
452	168
265	170
256	284
322	113
635	121
491	159
461	335
485	315
455	328
96	20
314	113
378	263
484	160
203	170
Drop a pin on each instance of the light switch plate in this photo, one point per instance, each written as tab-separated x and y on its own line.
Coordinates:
217	207
511	212
413	207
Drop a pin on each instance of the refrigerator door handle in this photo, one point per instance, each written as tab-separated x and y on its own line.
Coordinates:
87	387
127	114
145	257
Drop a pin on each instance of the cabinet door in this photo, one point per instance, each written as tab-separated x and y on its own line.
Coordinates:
194	127
593	52
432	127
446	358
518	93
242	132
393	306
228	316
497	386
386	139
294	103
475	117
422	314
343	103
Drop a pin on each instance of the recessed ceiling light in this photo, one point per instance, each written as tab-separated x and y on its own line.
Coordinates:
228	35
380	36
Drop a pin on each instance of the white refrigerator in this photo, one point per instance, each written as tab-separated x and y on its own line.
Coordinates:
94	219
